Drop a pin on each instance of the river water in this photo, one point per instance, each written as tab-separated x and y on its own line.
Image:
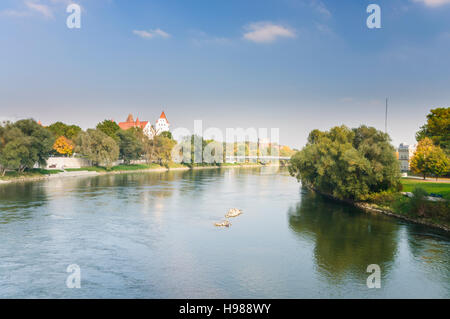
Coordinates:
151	235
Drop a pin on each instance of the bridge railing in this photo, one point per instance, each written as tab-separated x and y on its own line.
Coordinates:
260	158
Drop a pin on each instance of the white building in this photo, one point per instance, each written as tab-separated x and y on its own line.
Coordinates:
405	153
162	124
149	130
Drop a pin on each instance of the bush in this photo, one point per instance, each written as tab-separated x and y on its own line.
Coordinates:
385	198
419	201
420	206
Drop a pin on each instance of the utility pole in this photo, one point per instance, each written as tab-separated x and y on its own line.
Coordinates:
257	152
385	118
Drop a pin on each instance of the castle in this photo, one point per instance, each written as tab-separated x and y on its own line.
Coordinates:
162	125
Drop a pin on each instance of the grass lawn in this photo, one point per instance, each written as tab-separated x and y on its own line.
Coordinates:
436	188
177	165
35	172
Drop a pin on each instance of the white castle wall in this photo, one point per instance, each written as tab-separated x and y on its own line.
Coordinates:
67	162
75	162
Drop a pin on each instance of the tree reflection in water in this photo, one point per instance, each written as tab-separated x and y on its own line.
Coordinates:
18	200
346	240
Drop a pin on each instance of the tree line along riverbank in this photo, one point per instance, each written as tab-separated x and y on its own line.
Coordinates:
26	144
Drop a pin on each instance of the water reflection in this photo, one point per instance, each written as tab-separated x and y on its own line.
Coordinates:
430	249
345	240
18	200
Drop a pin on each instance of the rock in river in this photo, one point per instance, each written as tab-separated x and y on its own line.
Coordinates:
224	223
233	212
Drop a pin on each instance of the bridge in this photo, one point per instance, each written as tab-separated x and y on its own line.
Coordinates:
261	158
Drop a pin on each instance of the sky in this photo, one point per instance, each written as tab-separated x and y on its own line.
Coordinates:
295	65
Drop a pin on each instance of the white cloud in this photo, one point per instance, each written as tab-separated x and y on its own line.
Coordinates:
433	3
151	33
45	8
40	8
320	7
266	32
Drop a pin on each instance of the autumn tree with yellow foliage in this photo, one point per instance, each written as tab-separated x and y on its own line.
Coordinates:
429	159
63	146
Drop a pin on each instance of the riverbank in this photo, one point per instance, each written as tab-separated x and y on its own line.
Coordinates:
399	206
373	208
41	174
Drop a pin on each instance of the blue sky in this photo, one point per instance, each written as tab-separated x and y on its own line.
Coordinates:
292	64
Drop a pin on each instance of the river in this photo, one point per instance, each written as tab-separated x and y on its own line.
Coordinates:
151	235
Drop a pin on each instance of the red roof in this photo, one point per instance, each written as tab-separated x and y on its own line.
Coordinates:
143	124
131	123
163	116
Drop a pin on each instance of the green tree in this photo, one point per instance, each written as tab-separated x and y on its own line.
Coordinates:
348	164
60	129
15	154
437	128
197	145
286	151
439	162
314	136
131	148
2	146
159	149
72	132
3	142
97	147
110	128
24	144
167	134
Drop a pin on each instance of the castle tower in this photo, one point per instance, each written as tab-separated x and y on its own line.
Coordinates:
130	118
162	124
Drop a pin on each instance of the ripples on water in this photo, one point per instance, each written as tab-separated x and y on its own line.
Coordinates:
151	235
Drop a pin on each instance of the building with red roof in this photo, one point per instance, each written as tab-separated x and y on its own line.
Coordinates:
162	125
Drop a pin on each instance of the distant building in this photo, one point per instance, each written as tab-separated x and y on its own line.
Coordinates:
162	125
405	153
130	122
